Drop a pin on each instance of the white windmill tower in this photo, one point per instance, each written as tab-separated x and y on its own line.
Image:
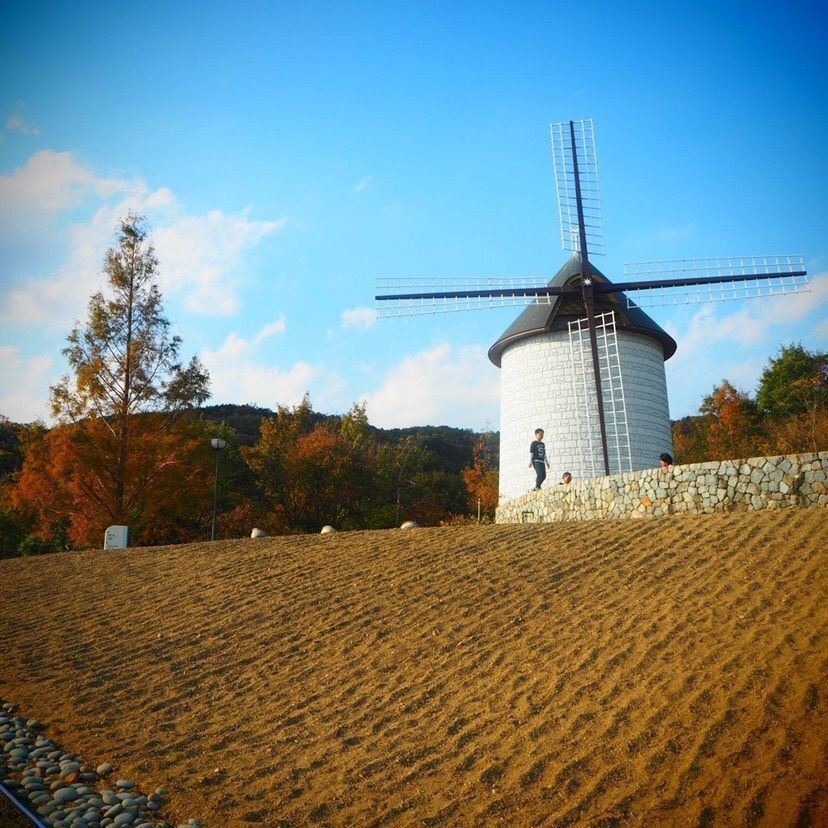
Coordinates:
583	361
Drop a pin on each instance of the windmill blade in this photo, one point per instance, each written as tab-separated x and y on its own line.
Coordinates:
564	169
693	281
414	296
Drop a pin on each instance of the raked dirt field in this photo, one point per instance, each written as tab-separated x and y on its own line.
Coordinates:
648	673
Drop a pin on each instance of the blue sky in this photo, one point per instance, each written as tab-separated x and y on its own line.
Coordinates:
287	154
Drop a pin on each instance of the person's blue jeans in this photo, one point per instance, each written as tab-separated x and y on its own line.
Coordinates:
540	472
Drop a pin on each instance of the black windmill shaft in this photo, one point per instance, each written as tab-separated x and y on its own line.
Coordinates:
589	301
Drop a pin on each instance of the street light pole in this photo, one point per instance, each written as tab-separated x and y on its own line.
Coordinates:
218	444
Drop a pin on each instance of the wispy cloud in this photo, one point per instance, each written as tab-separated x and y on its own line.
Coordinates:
202	257
17	123
51	181
24	380
674	233
360	318
271	329
363	183
238	375
439	386
755	321
715	344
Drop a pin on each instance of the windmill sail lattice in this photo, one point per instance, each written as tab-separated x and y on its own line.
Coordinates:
567	187
741	277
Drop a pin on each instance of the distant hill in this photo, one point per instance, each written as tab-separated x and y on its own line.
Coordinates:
450	449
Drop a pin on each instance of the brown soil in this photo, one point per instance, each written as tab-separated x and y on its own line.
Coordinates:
10	817
654	672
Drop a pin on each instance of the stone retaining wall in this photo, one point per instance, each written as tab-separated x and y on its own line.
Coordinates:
721	486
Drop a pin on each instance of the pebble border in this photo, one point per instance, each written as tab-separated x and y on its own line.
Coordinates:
62	790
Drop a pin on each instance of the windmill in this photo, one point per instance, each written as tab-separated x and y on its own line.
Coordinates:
584	332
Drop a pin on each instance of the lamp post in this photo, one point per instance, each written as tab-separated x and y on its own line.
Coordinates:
218	444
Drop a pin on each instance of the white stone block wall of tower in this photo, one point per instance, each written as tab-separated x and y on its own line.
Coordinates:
538	391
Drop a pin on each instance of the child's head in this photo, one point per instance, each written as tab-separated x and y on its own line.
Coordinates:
567	477
539	433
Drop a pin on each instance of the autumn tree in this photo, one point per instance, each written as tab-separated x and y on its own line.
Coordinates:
121	403
690	440
275	464
733	428
65	483
481	478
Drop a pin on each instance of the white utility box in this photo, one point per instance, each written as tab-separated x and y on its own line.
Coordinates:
116	537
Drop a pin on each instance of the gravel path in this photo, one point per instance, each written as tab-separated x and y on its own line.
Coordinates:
63	790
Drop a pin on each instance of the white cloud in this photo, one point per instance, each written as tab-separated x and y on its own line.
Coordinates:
272	329
51	181
201	257
17	123
714	345
24	383
363	183
360	318
237	376
755	322
440	386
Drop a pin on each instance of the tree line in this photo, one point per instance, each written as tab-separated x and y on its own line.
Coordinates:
788	414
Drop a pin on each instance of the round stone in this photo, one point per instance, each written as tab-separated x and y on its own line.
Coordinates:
125	783
104	769
65	795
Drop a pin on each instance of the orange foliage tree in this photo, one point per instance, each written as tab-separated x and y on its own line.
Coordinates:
733	428
66	482
311	476
123	453
481	478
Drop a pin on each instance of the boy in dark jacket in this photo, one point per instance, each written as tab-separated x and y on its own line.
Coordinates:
538	459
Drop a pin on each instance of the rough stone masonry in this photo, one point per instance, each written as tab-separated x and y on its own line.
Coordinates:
784	481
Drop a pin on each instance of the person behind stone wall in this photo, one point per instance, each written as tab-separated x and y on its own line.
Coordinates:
666	461
538	458
566	479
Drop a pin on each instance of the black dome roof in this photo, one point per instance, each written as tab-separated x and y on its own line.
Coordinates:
541	317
